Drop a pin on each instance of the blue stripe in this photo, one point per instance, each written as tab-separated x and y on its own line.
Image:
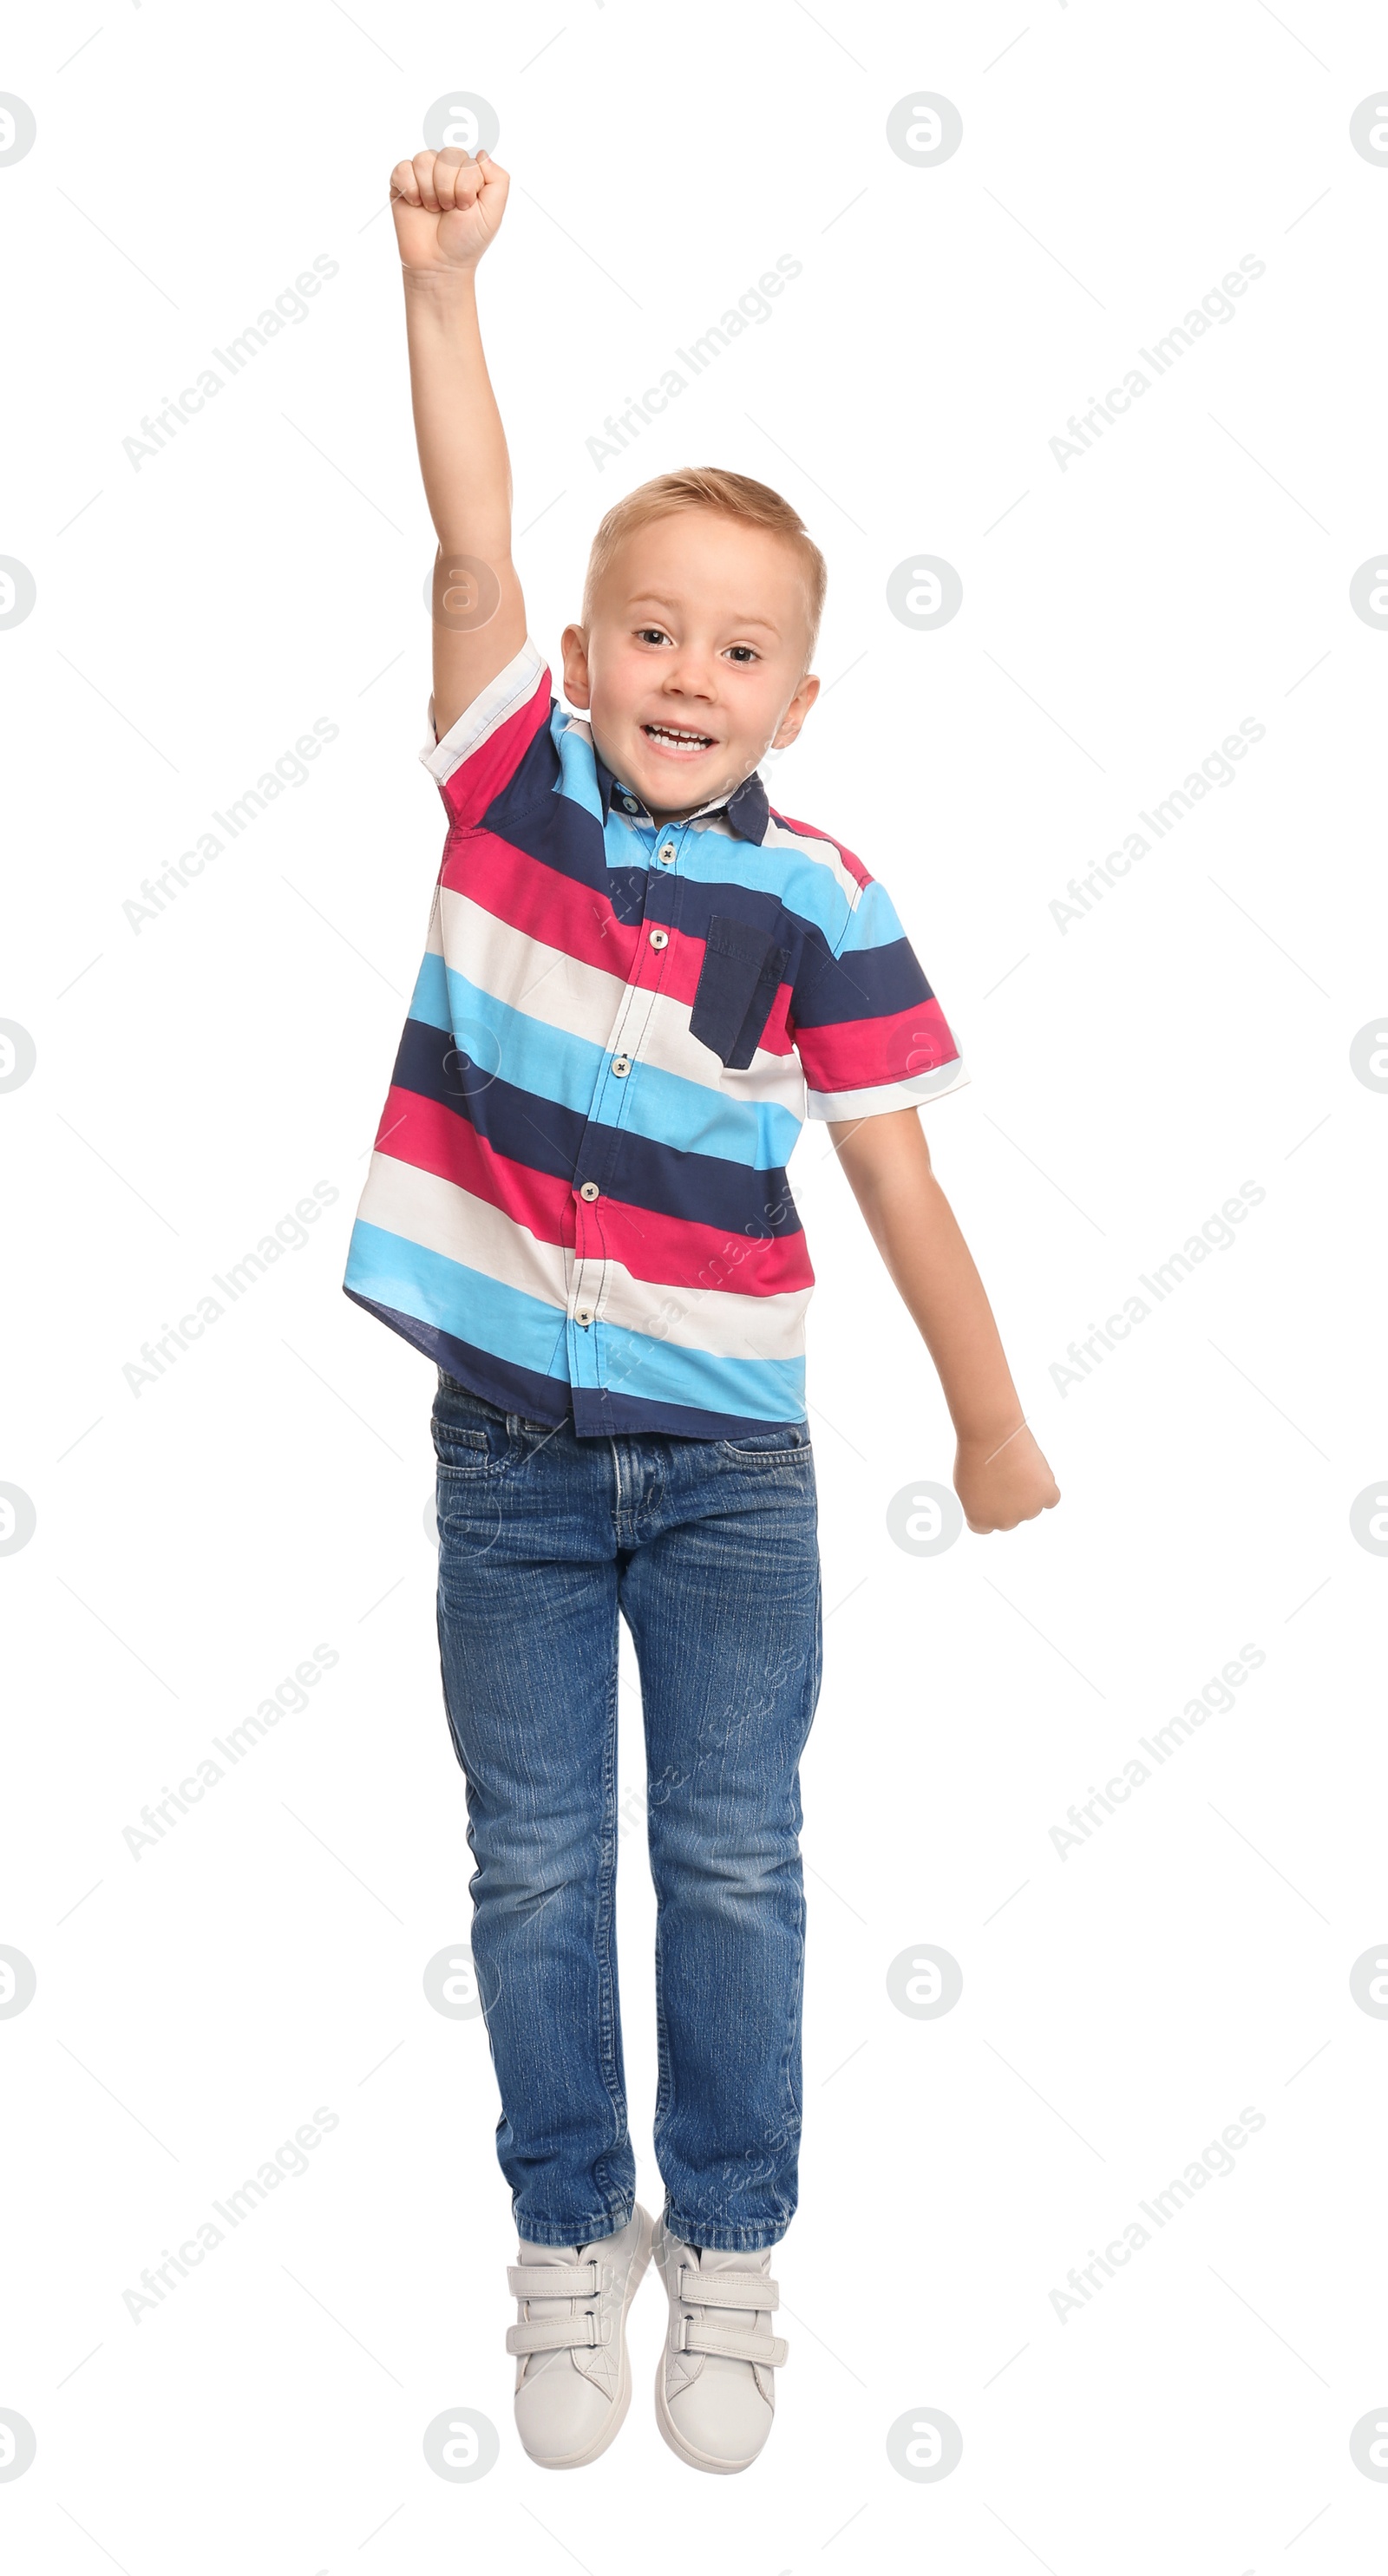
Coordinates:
874	923
778	881
659	1372
393	1272
556	1065
429	1000
385	1270
573	757
595	1415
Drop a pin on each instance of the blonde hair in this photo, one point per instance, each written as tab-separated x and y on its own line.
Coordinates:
709	487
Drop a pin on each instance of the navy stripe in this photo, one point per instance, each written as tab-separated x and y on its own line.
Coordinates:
557	833
866	984
707	1189
519	1390
533	815
515	1389
596	1409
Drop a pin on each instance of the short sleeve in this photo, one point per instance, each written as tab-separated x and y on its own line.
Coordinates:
483	749
868	1029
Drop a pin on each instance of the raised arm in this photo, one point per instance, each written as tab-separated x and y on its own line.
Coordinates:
447	207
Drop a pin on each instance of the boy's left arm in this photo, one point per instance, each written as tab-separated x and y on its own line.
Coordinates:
1000	1475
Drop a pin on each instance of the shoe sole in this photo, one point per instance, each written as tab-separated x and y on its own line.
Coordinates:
685	2450
622	2400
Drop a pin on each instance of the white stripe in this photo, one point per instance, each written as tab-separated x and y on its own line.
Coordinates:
584	1001
490	708
887	1095
447	1219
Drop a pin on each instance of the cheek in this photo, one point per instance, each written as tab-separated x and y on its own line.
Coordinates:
606	697
756	705
624	680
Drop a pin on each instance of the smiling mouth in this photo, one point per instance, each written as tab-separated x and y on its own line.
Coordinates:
677	738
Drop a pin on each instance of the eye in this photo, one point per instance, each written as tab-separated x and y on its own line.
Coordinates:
651	635
750	652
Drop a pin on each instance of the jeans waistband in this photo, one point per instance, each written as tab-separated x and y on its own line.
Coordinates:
460	1394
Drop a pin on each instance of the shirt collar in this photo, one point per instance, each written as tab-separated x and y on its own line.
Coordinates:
747	808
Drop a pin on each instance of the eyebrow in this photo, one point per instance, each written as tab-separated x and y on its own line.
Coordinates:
653	599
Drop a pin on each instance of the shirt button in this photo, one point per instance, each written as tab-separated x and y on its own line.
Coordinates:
583	1314
660	939
667	854
589	1190
621	1064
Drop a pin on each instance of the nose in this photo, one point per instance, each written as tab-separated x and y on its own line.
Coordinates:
690	673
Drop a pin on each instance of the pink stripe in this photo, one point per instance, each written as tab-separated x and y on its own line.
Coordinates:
675	1252
435	1139
668	1252
851	1055
483	774
542	902
526	895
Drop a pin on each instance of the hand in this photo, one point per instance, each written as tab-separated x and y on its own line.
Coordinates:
446	207
1001	1482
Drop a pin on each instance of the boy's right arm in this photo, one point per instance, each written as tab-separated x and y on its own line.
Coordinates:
447	208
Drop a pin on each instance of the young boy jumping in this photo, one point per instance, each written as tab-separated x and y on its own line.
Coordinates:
639	980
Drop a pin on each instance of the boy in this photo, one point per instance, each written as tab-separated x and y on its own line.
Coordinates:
577	1207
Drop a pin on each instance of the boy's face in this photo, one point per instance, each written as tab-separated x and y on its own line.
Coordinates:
693	664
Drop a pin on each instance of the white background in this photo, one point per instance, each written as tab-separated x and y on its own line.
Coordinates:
196	1076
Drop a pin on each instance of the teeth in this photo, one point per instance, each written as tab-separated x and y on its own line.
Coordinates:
668	733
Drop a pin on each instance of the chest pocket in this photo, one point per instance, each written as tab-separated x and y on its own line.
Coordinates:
737	985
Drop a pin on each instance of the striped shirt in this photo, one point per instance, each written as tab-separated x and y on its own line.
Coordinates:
577	1202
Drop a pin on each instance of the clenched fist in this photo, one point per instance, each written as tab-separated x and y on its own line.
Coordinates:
447	207
1003	1482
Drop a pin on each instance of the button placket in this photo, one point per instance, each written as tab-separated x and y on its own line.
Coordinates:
589	1267
585	1286
635	1009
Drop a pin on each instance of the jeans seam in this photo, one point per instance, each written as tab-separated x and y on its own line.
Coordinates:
609	2005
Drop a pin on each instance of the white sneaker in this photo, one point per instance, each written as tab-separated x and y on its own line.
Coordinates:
715	2398
573	2379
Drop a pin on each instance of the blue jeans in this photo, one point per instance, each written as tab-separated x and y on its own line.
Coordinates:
709	1550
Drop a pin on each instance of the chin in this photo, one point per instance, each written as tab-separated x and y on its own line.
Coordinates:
683	775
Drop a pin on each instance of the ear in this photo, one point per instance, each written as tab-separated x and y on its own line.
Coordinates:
795	713
573	645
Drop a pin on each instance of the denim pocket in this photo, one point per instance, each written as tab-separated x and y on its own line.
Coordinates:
471	1437
737	985
472	1453
780	1444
